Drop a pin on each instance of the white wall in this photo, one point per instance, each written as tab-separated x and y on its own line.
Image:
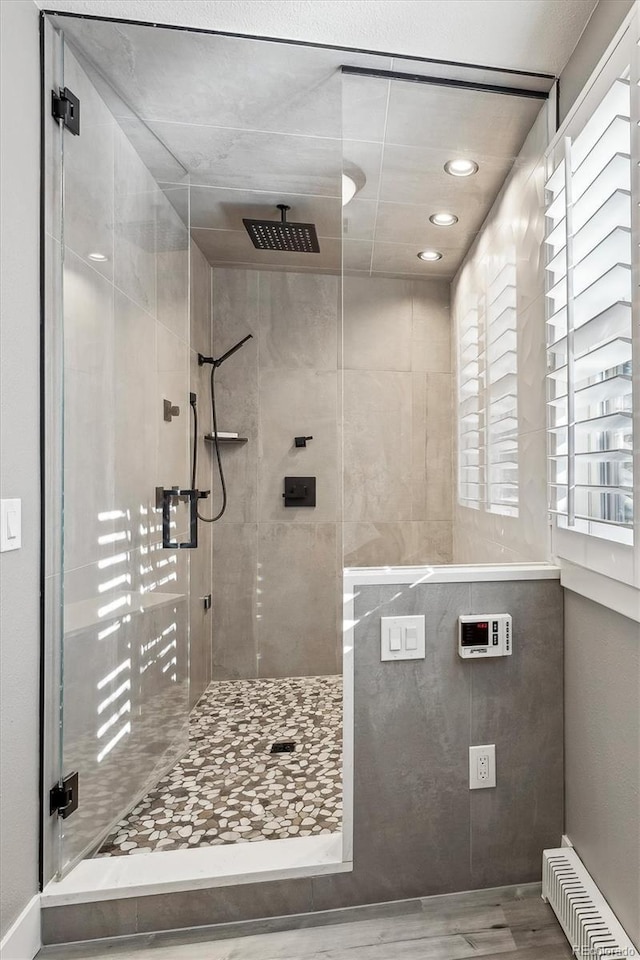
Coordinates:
536	35
19	456
598	33
602	751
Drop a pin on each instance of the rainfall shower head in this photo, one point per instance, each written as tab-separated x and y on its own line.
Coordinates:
282	236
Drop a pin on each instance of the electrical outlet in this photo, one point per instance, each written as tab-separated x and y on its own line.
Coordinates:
482	766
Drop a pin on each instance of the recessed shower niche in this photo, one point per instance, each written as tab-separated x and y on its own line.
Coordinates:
259	263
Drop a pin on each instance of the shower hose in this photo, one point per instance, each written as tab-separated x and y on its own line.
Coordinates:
216	443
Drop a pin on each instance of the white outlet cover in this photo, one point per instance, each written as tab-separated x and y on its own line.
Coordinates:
402	638
482	766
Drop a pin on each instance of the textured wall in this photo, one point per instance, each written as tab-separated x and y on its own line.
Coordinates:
418	830
527	35
597	34
19	460
515	223
276	570
397	422
602	738
201	560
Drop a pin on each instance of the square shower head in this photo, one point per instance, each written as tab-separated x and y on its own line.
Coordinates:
282	236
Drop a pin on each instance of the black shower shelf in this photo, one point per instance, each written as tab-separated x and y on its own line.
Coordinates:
210	439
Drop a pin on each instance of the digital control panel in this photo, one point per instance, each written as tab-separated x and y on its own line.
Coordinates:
484	635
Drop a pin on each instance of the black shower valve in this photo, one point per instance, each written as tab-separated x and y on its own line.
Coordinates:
299	491
301	441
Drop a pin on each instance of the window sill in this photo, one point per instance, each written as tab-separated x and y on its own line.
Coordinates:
621	597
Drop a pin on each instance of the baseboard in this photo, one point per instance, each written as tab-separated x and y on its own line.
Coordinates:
22	941
566	842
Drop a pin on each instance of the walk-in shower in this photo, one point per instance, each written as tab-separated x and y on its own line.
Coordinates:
176	677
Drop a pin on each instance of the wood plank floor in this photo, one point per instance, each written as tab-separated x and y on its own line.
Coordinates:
510	923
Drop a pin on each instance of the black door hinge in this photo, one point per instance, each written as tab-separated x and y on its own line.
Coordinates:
63	797
65	106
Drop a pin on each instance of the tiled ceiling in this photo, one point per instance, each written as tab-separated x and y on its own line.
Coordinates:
249	124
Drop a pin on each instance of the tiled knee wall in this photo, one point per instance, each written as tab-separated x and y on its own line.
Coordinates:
418	830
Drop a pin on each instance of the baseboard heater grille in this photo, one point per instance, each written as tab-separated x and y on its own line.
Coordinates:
588	921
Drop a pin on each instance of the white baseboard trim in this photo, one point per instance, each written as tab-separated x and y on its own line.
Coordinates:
22	941
566	842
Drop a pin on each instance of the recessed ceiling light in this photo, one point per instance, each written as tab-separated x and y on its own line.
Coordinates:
443	219
461	168
430	255
98	257
348	189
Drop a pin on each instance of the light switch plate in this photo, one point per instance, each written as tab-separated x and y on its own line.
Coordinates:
402	638
10	525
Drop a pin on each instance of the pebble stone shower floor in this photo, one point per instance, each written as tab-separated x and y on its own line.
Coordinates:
229	787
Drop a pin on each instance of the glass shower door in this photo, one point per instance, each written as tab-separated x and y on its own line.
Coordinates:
124	336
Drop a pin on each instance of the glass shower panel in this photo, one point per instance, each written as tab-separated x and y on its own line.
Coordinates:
125	649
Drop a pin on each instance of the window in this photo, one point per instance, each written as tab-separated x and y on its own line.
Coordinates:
589	327
593	331
488	393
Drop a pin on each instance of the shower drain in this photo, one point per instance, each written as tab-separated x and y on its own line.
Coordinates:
284	746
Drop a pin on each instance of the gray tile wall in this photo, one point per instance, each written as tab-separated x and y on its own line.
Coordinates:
201	572
276	570
515	222
418	830
397	422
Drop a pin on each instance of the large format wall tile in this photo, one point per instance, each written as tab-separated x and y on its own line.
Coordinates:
298	601
201	560
438	426
88	170
397	416
135	206
431	327
89	430
377	445
200	619
514	224
172	265
235	314
398	543
136	415
172	441
235	582
201	320
298	321
517	703
377	324
298	403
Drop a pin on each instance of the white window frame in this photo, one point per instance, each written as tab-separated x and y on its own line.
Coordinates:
609	571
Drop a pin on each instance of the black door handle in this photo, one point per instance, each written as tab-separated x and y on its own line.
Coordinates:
164	499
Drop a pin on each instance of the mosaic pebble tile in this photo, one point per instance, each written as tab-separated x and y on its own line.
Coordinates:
229	787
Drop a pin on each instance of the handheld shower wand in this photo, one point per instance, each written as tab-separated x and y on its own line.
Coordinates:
215	363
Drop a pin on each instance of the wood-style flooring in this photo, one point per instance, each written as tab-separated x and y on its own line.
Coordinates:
511	923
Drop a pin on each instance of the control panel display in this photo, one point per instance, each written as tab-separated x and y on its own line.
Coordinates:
486	635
